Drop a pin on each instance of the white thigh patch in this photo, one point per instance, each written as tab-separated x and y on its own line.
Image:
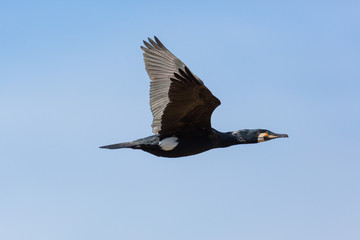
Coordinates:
168	144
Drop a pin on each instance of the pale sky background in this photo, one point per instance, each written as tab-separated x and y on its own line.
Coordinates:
72	78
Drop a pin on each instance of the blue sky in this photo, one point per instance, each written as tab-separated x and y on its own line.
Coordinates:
72	78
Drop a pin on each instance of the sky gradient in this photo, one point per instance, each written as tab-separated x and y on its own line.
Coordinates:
72	78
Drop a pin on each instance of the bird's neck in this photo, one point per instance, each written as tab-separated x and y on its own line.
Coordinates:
244	136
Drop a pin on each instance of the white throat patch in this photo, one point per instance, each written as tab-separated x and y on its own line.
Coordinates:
168	144
261	137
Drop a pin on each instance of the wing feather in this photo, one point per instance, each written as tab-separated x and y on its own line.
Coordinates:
179	100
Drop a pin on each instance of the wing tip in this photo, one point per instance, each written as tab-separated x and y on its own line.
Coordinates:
151	44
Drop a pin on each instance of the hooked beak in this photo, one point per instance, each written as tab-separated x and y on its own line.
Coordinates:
276	135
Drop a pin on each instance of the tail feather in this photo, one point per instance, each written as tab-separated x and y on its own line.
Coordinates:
121	145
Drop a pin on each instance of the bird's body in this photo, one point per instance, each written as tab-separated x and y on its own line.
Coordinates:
182	107
179	146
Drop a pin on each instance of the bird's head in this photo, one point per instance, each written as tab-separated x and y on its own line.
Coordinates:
263	135
257	135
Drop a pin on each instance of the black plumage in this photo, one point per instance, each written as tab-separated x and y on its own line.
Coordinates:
182	107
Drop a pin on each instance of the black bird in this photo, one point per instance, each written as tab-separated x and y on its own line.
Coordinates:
182	106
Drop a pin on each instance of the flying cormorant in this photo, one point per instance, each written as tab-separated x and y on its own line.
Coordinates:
182	106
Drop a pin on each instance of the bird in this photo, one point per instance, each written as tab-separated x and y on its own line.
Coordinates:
182	106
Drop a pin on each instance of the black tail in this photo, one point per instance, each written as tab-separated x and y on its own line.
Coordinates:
121	145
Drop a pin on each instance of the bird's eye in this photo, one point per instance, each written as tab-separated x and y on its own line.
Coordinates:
266	134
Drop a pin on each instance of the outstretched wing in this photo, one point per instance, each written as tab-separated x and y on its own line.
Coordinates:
179	100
